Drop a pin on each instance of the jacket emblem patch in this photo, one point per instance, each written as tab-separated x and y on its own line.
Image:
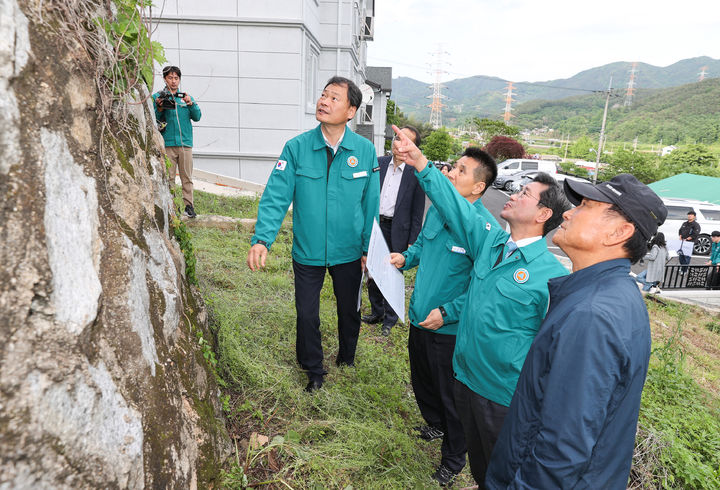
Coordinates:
280	165
457	250
488	226
352	161
521	276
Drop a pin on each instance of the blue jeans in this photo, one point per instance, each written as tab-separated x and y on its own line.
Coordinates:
646	285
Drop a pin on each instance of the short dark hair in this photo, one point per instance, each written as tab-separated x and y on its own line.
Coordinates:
715	233
552	198
636	246
486	171
692	212
418	139
354	94
171	69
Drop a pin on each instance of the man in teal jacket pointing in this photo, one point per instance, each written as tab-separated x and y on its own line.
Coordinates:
330	175
507	297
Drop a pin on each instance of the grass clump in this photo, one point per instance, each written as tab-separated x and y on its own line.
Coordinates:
678	443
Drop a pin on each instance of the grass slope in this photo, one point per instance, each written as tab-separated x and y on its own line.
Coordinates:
357	431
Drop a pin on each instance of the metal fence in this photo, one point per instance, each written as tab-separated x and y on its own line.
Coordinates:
691	277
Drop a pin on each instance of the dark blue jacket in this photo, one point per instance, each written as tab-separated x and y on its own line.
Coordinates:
409	207
573	417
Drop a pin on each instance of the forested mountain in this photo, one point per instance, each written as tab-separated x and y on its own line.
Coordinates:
686	114
484	96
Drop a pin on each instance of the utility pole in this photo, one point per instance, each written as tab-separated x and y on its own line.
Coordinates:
602	133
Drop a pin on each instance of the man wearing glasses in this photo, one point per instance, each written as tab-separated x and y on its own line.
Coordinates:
506	300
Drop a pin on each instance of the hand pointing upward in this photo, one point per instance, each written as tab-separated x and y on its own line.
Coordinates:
410	153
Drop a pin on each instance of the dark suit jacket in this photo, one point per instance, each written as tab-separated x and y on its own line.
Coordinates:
409	207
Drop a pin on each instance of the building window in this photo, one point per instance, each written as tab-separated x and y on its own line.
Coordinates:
312	57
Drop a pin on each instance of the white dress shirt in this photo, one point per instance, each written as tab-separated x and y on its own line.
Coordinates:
390	188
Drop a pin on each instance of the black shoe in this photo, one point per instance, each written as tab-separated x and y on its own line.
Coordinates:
429	433
340	363
385	331
190	211
372	319
313	385
444	476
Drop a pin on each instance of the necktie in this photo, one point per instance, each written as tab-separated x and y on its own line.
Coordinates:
511	247
330	157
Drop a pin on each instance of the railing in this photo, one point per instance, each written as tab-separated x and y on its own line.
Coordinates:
691	277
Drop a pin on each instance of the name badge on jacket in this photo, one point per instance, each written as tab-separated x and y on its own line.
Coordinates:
457	250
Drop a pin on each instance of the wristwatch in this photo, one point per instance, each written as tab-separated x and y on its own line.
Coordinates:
442	311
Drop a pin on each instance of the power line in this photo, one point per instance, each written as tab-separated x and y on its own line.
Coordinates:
500	80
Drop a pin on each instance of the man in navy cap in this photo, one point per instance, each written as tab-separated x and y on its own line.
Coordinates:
572	420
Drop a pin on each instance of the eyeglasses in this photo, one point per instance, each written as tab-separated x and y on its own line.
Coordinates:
524	192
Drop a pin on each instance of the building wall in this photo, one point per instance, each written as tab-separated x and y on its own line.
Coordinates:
256	70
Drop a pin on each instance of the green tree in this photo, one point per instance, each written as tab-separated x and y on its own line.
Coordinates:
489	128
501	148
438	146
395	116
581	148
641	165
694	159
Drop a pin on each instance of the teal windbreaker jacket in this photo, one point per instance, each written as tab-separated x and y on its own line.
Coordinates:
444	270
333	210
179	131
505	302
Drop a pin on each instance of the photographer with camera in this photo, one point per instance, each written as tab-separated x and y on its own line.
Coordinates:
174	110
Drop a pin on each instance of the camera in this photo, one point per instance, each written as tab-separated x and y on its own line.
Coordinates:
166	100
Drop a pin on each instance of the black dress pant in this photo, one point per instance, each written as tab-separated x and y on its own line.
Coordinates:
380	307
346	285
431	374
482	420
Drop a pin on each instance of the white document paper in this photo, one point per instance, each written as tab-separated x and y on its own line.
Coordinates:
674	245
389	280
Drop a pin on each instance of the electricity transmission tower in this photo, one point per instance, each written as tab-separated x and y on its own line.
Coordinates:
438	70
630	91
508	102
703	72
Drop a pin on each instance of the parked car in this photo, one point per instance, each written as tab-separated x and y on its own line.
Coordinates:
514	165
506	181
707	216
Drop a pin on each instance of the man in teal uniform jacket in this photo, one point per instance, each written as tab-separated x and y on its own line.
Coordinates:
330	175
177	131
444	270
506	300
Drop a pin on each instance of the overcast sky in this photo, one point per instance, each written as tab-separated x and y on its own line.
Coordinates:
536	40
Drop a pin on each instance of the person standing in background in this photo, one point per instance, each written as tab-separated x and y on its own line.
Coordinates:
402	204
656	258
688	232
173	111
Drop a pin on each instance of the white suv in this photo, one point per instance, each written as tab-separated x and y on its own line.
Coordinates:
707	216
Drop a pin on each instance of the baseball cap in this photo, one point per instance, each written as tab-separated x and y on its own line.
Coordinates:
639	203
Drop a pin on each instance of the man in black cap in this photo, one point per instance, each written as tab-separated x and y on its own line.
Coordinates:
572	420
